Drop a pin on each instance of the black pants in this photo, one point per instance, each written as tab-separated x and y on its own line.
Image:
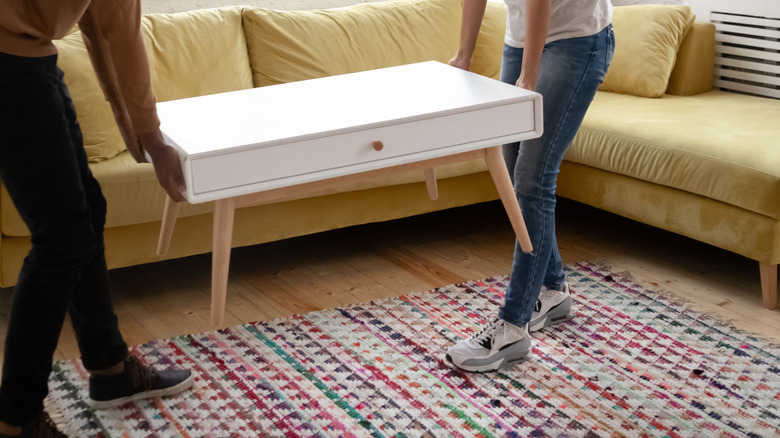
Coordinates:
44	168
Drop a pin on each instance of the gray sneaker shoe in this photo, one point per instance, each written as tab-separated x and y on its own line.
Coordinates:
553	307
498	345
136	382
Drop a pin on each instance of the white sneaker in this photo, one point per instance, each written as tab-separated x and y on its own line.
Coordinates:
553	307
498	345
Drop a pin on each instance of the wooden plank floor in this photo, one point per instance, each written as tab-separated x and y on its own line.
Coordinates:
384	260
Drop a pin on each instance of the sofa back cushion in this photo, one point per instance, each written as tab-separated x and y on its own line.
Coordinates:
490	43
289	46
694	68
100	133
190	54
197	53
647	38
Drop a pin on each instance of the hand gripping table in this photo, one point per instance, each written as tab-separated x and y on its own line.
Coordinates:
285	141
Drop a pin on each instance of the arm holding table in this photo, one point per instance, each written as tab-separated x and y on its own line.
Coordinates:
113	37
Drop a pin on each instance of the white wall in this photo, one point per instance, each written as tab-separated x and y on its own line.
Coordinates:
186	5
644	2
761	8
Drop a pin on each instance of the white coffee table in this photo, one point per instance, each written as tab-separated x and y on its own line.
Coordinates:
287	141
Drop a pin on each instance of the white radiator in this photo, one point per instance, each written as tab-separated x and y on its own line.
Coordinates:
747	54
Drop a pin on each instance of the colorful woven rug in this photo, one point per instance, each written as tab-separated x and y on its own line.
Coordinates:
632	362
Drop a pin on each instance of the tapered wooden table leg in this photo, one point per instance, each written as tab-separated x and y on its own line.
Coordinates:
430	183
500	174
224	212
170	212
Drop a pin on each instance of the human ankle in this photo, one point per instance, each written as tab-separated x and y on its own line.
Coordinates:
110	371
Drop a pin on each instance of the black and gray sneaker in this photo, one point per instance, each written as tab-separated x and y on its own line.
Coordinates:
136	382
553	307
41	427
498	345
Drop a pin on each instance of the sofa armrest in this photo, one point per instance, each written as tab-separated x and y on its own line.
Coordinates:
694	68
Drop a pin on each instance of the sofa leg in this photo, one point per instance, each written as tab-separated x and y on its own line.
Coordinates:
769	284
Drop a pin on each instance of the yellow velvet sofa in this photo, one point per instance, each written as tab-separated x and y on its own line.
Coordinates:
661	146
658	144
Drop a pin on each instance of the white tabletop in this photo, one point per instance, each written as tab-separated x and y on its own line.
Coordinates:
211	124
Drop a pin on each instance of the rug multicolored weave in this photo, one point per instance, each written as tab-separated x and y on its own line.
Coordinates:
632	362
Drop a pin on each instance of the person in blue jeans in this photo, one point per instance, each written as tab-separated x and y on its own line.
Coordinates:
560	49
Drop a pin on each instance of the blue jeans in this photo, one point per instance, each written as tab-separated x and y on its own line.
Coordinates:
44	168
569	77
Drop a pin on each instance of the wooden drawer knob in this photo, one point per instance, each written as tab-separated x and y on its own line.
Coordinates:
378	145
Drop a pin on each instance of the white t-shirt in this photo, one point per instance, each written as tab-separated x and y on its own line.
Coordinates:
568	19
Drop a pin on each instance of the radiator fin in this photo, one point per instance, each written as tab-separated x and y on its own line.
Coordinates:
747	54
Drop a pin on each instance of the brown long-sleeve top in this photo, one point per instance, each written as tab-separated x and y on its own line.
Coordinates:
112	34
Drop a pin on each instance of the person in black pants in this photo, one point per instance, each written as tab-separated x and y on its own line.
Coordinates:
43	166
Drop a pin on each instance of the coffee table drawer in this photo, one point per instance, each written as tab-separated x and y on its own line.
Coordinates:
336	154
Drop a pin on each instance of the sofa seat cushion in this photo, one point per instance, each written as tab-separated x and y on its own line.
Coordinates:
135	197
647	38
289	46
717	144
131	190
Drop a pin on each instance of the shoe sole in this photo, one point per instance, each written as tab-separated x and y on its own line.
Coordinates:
559	315
106	404
506	359
503	363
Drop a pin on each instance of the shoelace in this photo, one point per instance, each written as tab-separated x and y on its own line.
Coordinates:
141	375
486	331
